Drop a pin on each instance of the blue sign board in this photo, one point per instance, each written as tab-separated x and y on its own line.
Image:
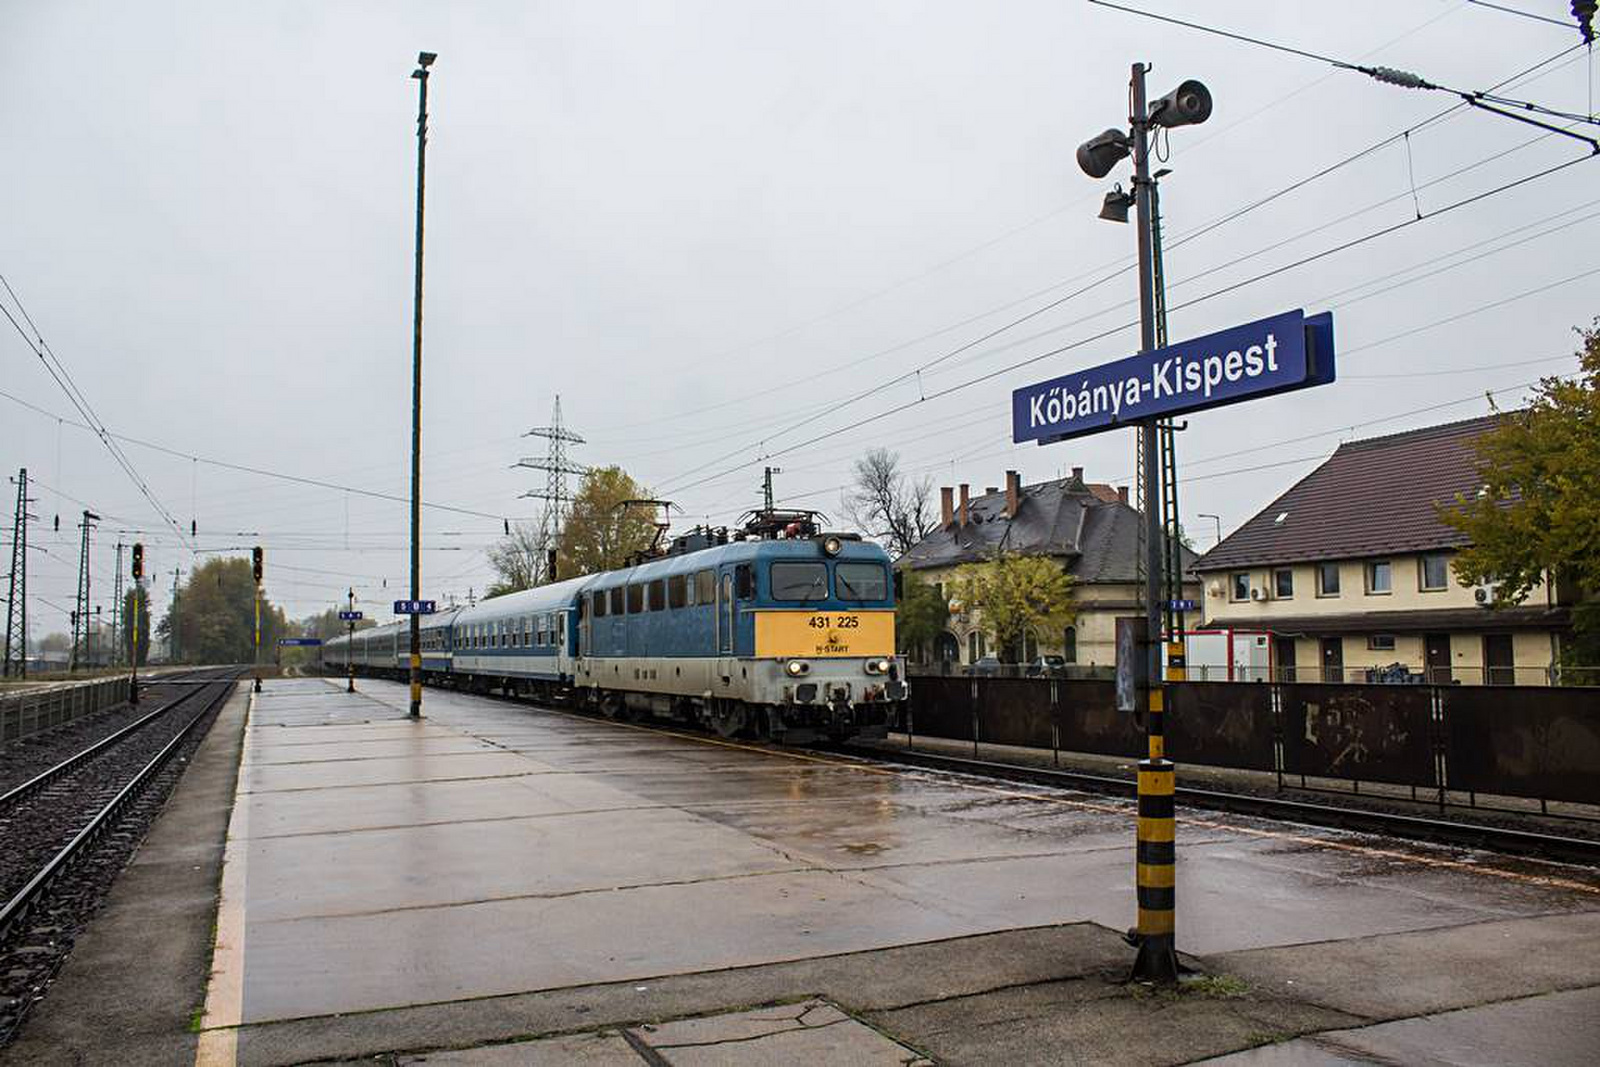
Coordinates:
349	616
1275	355
300	642
1181	605
415	607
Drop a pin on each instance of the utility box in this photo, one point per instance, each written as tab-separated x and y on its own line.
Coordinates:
1133	643
1227	655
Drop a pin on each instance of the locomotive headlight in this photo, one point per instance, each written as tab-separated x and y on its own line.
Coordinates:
832	546
797	667
878	666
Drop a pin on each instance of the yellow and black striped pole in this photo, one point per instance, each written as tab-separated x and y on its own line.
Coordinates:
1155	850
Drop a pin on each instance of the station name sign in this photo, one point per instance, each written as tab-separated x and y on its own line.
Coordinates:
1274	355
299	642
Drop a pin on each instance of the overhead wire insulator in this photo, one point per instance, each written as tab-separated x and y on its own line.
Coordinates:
1403	78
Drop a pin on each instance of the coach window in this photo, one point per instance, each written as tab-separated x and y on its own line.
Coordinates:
658	594
538	638
600	604
861	581
800	581
635	599
705	587
678	591
616	600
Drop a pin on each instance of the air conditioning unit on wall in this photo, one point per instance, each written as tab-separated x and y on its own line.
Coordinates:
1484	593
1257	593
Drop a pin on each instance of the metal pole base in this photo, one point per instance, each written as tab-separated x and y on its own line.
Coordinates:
1157	961
258	685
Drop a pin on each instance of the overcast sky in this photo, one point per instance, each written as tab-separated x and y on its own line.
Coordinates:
701	223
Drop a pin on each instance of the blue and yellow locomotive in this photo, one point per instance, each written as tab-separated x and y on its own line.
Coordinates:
779	631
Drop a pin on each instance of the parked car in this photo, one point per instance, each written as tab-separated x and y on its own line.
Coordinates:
988	666
1048	667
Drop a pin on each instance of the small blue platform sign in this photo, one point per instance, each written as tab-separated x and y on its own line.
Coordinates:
1181	605
415	607
299	642
349	616
1274	355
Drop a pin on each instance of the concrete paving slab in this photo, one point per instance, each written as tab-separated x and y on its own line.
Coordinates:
606	1049
1406	974
1552	1030
602	854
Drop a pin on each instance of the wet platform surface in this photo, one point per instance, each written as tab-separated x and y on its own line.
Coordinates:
493	848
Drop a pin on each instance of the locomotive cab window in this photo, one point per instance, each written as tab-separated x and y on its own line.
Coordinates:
705	587
744	581
800	581
616	600
600	605
861	581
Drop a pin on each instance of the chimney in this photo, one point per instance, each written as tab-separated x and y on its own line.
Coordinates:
1013	493
1122	493
947	507
961	509
1077	474
991	491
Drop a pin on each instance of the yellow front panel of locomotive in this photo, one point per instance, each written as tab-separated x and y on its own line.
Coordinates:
824	634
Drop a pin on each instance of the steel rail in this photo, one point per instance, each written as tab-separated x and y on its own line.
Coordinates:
44	778
1507	840
18	905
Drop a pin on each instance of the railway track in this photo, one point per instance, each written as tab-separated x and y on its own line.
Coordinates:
66	832
1502	839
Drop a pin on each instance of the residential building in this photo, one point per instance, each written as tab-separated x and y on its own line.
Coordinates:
1352	570
1090	528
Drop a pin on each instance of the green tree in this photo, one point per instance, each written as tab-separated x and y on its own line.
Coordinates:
1015	595
600	533
520	559
1538	513
130	600
216	615
921	614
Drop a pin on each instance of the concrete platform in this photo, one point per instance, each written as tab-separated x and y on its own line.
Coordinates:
503	884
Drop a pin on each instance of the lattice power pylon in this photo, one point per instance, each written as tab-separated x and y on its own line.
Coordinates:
16	660
80	616
556	467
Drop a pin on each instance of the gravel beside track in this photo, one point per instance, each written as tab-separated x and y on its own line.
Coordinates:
34	829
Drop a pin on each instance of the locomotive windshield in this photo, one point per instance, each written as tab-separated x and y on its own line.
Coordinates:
861	581
799	581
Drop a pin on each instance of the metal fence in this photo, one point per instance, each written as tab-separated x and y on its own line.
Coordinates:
33	710
1534	742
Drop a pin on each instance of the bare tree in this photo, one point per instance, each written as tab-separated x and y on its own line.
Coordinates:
888	506
520	558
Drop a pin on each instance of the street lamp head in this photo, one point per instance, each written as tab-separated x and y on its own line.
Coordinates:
1117	203
1099	154
1187	105
425	59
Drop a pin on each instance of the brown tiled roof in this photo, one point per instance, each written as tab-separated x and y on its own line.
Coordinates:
1370	498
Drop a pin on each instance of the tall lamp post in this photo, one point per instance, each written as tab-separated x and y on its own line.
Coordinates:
424	61
1155	936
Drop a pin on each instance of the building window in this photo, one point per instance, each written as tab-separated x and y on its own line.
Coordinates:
1434	570
1378	577
1239	586
1283	584
1069	644
1381	642
1327	579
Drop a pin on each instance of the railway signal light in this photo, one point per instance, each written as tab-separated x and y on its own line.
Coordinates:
138	561
255	562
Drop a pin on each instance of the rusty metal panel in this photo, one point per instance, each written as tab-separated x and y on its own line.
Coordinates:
1090	721
1015	711
942	707
1221	724
1524	741
1367	733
